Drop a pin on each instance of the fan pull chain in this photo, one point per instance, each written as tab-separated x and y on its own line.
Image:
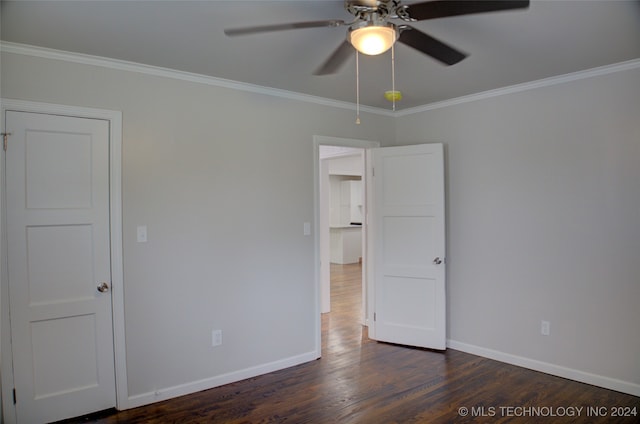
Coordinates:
357	88
393	75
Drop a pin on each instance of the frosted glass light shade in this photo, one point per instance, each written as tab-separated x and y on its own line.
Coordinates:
373	40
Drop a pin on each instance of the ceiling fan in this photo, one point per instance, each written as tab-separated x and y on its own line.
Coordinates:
372	31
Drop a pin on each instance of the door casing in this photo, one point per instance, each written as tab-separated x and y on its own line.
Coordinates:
115	200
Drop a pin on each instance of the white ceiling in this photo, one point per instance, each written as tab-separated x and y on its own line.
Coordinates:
550	38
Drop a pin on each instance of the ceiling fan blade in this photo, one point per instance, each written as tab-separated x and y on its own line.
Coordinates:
430	46
444	8
283	27
336	60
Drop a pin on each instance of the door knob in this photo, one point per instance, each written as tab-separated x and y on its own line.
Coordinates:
437	261
103	287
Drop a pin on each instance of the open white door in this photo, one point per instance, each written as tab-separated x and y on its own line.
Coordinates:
407	242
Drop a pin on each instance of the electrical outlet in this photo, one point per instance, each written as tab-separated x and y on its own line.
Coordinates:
545	328
216	338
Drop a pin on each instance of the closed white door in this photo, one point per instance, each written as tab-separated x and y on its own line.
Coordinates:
407	236
57	185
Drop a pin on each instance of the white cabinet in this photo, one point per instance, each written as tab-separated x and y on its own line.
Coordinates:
345	245
345	242
351	201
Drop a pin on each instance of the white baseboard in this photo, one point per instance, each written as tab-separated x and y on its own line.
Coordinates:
216	381
557	370
219	380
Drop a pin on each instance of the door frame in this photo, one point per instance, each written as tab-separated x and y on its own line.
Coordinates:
319	140
114	118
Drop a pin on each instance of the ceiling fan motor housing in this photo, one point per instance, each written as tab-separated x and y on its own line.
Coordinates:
363	9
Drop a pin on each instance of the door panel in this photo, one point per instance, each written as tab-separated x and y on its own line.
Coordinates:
405	245
53	356
60	263
65	187
58	252
408	232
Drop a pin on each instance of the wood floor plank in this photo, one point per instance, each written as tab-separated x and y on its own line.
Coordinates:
362	381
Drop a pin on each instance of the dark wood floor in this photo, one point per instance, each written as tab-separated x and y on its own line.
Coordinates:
361	381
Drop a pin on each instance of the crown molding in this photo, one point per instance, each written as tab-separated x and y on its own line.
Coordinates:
546	82
123	65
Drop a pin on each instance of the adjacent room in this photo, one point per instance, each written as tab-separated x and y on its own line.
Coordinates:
167	247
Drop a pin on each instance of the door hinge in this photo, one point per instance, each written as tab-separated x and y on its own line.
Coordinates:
374	317
373	172
14	396
5	136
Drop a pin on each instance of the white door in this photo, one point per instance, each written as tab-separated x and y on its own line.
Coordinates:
57	185
407	236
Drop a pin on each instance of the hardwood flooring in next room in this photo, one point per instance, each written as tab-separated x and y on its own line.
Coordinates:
362	381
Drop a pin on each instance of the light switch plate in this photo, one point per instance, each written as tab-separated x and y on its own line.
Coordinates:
142	233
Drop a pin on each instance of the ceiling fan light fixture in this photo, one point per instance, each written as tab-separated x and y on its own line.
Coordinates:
371	39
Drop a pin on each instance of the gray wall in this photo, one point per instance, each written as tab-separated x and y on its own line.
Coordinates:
543	190
224	181
543	218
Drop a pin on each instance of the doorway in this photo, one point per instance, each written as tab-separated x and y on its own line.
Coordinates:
340	190
342	211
